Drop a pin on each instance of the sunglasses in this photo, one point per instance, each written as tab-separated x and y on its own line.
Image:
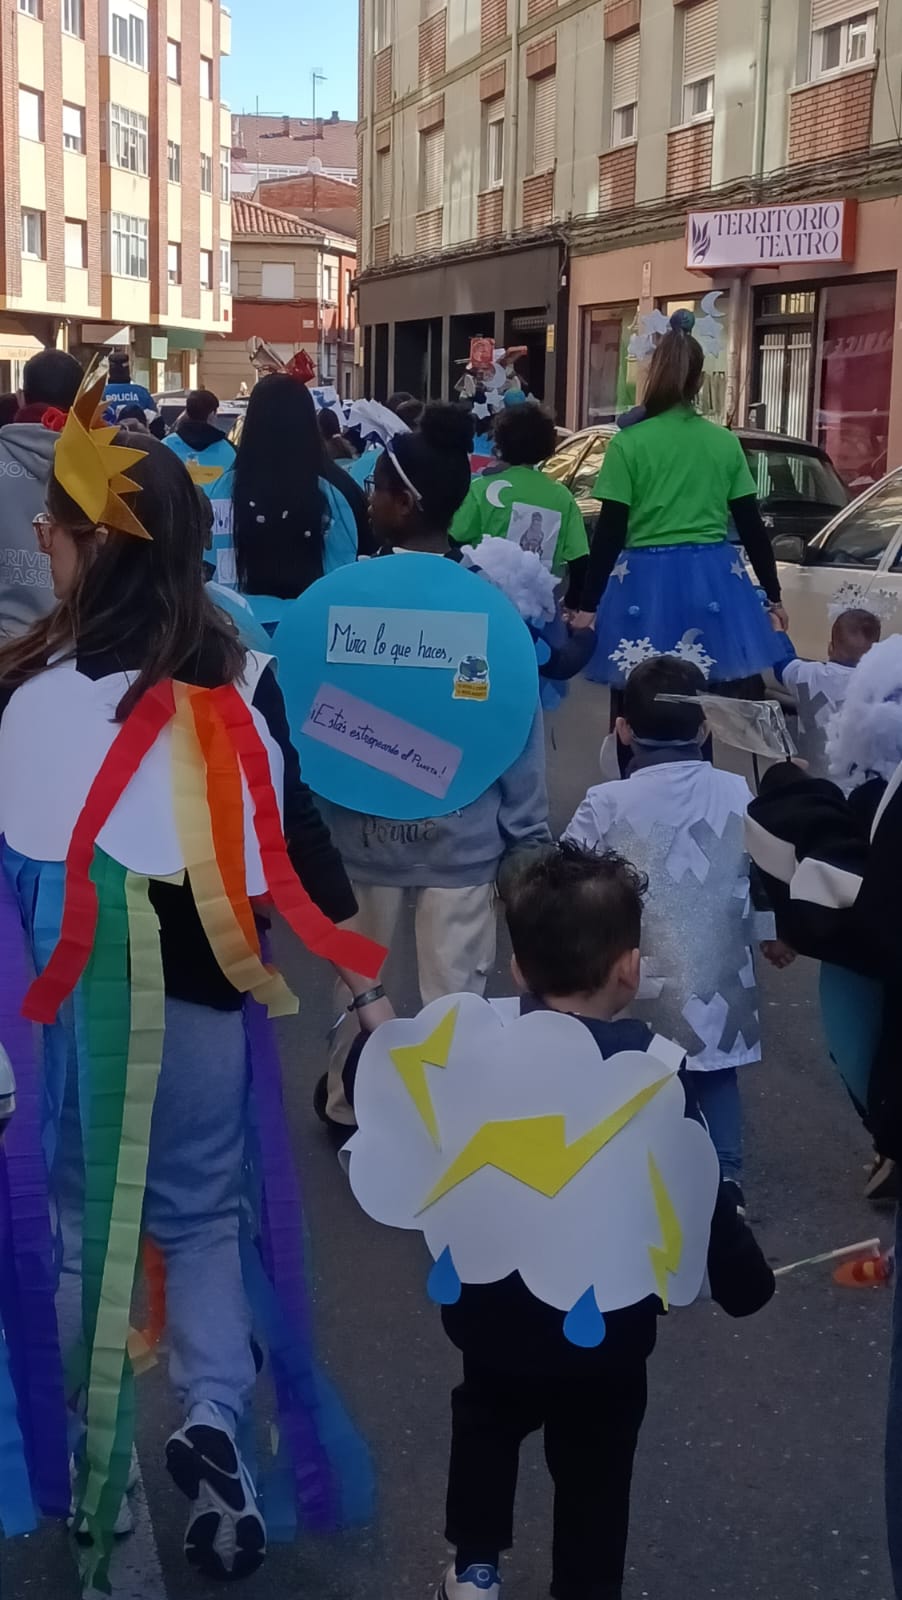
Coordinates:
43	525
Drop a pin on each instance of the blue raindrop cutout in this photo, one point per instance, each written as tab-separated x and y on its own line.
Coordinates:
443	1284
584	1324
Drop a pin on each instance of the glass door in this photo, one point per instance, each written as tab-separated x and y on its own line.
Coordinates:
784	361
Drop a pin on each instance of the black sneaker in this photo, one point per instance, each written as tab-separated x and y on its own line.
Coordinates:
883	1185
734	1190
226	1535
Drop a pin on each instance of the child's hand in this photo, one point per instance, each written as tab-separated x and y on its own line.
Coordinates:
779	954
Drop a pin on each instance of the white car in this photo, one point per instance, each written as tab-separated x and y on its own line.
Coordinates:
857	557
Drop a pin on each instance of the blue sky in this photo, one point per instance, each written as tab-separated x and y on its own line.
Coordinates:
275	46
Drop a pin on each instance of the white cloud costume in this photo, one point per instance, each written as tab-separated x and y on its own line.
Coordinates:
518	1148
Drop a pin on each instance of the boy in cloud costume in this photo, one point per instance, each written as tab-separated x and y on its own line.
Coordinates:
505	1141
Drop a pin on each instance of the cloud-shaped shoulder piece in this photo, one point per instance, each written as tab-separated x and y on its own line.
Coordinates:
514	1146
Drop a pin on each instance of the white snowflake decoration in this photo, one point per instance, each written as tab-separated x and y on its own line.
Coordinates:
631	653
881	603
691	649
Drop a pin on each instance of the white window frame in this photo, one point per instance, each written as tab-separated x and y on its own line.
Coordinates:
225	174
494	145
71	223
206	173
691	90
74	18
206	78
129	246
31	114
174	58
174	161
31	8
74	142
128	41
225	266
624	123
129	149
330	289
173	263
34	234
863	25
206	269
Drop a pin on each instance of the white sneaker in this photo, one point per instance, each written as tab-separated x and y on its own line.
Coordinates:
125	1522
477	1583
226	1535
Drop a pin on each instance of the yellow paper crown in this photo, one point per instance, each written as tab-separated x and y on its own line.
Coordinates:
90	467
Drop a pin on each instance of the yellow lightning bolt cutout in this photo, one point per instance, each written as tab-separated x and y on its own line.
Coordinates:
666	1256
411	1060
534	1150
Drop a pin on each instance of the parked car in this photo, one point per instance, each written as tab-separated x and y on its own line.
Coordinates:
227	419
857	556
799	489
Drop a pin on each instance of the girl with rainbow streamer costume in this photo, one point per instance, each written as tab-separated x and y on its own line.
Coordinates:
149	794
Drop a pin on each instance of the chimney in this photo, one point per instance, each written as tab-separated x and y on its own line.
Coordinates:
286	127
334	117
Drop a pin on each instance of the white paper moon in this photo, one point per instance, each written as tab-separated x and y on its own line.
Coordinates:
598	1229
54	735
493	492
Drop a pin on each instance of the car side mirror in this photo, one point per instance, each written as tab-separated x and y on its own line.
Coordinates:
791	548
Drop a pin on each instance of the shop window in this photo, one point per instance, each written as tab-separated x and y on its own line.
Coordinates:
839	41
608	373
711	323
854	379
699	59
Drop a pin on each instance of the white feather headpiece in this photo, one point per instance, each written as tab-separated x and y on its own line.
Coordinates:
864	737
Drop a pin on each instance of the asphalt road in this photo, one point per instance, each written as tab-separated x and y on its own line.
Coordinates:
759	1469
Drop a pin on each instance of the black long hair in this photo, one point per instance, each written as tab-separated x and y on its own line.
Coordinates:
142	600
280	512
437	462
677	368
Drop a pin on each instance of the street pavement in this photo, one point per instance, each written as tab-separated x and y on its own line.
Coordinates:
760	1466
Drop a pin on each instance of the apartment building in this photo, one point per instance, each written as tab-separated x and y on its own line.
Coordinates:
291	283
568	171
115	222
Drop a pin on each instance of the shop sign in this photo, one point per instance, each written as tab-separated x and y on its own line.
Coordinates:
765	236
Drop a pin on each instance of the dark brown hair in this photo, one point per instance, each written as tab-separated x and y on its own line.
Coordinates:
572	913
853	634
648	715
142	600
524	435
201	405
675	373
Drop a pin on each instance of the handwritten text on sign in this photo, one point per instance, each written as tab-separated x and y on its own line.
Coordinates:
366	733
374	637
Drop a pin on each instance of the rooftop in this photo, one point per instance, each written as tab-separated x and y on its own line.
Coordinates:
251	220
291	141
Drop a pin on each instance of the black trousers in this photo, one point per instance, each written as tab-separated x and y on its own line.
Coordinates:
591	1427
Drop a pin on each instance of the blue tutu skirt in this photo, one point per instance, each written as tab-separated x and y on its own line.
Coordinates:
695	601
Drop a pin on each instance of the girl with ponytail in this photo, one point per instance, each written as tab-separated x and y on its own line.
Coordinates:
669	486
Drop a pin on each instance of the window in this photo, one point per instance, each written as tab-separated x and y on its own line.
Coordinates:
699	59
33	235
839	41
76	244
330	277
31	114
380	24
277	280
206	174
206	78
225	266
128	38
383	185
493	148
174	155
349	279
74	18
206	269
128	236
30	8
128	140
173	61
543	122
225	173
174	263
861	538
625	89
432	168
74	128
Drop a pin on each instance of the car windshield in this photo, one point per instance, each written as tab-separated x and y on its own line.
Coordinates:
860	539
784	476
561	465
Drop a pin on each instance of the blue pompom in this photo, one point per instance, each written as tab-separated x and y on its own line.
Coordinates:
714	605
683	321
632	611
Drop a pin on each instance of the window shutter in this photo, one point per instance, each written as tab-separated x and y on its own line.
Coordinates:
824	13
625	83
544	123
433	168
383	195
700	41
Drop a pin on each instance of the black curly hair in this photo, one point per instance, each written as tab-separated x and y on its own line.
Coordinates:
524	435
572	913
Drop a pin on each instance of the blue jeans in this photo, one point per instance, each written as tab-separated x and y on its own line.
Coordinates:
893	1468
717	1094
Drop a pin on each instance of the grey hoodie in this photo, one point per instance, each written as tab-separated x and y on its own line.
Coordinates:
26	589
456	851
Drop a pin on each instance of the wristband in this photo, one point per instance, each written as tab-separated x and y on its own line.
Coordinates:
367	999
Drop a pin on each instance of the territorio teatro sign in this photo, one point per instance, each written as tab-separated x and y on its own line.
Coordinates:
767	236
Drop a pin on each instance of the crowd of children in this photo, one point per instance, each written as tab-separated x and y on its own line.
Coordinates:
181	810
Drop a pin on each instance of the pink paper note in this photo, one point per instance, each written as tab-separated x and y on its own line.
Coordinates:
367	733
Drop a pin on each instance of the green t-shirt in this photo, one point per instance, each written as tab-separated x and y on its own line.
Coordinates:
520	503
677	473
